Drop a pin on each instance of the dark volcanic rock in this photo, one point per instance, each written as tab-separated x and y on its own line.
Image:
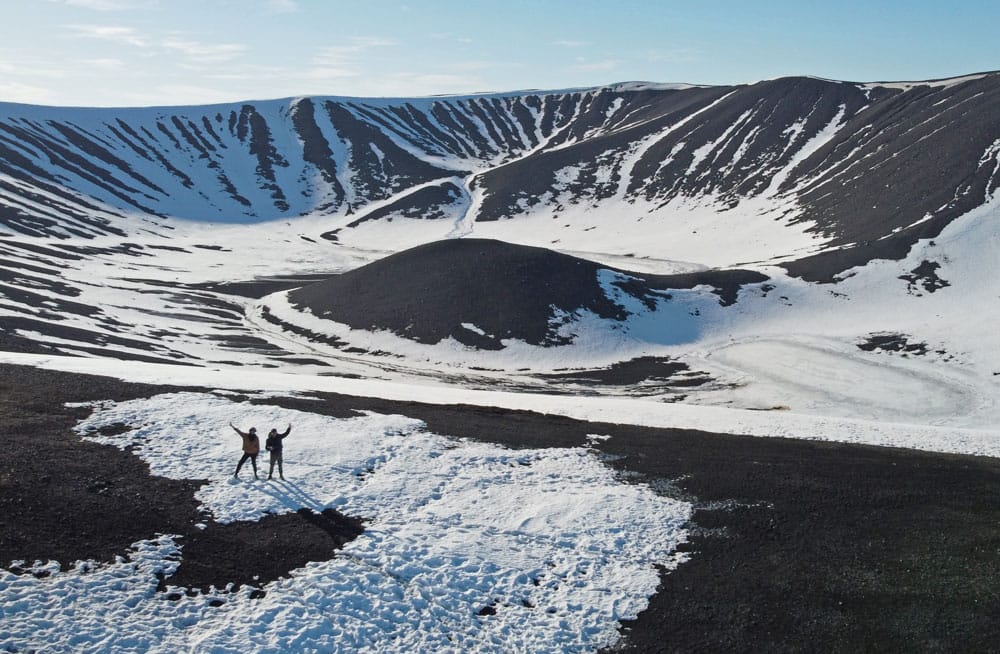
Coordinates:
893	343
795	545
635	371
502	290
275	543
66	499
924	276
726	284
481	291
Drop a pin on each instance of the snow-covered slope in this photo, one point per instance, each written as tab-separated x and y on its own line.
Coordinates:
781	169
863	215
796	258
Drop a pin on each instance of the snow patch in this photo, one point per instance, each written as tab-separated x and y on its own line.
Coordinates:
548	541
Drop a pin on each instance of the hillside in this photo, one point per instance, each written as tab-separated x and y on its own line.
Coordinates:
482	292
721	229
635	367
823	175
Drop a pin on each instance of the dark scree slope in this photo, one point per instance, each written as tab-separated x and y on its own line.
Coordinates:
873	168
507	291
428	292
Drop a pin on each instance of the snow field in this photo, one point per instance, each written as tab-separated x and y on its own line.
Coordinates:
945	438
551	540
825	377
779	347
798	345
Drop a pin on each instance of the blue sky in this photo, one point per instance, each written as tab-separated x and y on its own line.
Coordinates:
150	52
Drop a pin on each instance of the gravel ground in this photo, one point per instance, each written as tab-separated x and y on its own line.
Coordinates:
796	545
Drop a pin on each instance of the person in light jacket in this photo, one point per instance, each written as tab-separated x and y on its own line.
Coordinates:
251	447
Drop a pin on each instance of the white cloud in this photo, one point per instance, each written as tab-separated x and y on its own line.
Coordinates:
595	66
104	5
408	84
32	68
338	61
675	55
283	6
17	92
232	77
212	52
472	65
113	33
337	55
328	72
106	63
445	83
178	94
215	52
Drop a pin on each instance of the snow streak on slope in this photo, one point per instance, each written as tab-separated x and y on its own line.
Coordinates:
820	174
146	298
469	546
254	161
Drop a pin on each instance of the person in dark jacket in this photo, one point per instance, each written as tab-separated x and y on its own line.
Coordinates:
274	445
251	447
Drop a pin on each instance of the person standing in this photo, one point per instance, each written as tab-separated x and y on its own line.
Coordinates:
274	444
251	447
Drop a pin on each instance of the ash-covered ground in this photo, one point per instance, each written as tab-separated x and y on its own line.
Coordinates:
792	543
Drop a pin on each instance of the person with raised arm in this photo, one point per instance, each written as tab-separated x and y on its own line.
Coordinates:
274	445
251	447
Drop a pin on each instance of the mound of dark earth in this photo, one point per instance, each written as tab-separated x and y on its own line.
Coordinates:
481	291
